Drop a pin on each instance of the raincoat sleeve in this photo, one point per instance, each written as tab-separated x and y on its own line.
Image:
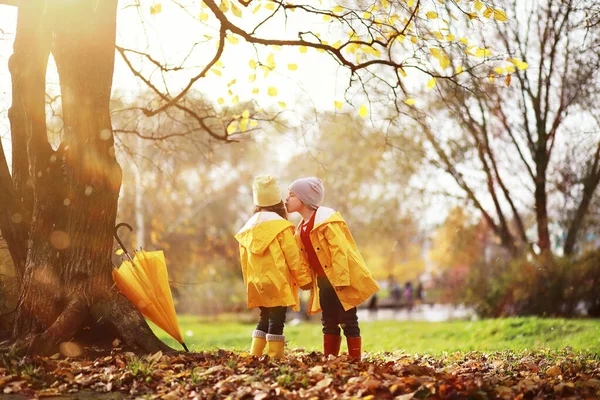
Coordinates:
299	269
243	262
339	255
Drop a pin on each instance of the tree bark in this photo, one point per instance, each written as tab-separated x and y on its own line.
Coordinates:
66	281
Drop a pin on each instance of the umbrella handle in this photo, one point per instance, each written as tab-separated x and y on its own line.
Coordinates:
119	239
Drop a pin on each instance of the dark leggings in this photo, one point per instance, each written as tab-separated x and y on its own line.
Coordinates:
271	320
334	314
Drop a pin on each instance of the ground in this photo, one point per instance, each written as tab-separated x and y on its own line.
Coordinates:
224	374
546	372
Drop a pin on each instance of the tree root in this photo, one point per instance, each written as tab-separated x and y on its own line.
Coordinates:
112	317
129	324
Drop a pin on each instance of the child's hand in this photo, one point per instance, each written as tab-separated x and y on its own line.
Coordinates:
308	286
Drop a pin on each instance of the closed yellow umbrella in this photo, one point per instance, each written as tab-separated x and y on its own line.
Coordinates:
145	282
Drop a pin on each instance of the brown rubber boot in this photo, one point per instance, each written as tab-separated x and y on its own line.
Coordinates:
331	344
354	347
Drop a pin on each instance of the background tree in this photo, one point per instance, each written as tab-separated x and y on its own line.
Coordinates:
366	177
533	141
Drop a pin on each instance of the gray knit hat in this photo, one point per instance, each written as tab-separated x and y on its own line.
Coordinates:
310	191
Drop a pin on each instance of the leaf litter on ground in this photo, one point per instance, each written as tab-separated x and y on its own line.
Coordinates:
224	374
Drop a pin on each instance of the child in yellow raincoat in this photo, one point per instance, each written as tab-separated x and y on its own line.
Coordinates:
271	265
343	280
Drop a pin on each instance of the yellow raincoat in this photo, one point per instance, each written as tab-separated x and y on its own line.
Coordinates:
271	262
342	262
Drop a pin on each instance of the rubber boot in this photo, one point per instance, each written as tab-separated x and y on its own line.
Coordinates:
354	347
258	343
275	345
331	344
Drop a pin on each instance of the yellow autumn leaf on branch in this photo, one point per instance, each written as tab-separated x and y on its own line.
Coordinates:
459	69
272	91
326	17
508	79
270	6
252	78
232	39
224	6
522	65
235	100
488	12
431	83
253	123
244	125
303	49
338	104
203	16
478	5
464	40
252	64
363	111
410	102
255	91
510	69
337	9
271	61
444	61
220	100
256	9
500	15
246	114
435	52
236	11
351	48
155	8
216	71
281	104
371	50
499	71
482	53
292	67
431	14
232	127
492	76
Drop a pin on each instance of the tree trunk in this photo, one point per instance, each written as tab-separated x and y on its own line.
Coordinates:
541	197
67	288
590	184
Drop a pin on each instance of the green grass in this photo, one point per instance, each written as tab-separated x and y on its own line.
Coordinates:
406	336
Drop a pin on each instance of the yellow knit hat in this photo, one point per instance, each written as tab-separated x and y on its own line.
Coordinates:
266	191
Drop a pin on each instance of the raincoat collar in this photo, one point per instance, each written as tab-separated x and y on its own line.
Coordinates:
260	230
326	215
